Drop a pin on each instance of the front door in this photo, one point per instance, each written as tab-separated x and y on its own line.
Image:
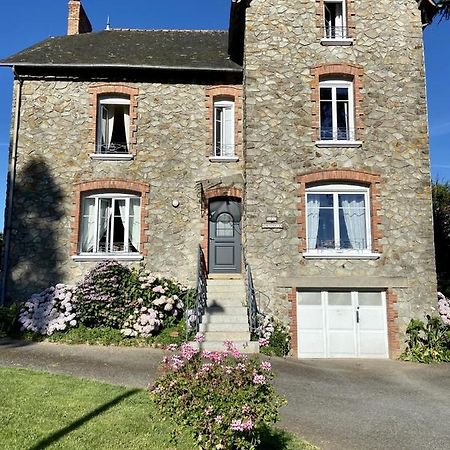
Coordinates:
224	236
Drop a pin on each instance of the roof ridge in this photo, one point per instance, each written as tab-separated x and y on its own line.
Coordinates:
166	30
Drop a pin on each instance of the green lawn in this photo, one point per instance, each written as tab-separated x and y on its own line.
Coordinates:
39	411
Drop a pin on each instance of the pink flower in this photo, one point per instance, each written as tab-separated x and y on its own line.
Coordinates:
246	409
187	351
199	337
218	419
247	425
263	342
265	365
236	425
259	379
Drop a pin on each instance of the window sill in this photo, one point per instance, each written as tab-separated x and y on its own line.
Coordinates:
112	156
104	256
336	41
338	144
223	158
341	255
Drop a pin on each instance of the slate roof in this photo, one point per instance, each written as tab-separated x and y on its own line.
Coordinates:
159	49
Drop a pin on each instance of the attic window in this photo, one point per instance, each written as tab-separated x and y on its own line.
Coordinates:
113	125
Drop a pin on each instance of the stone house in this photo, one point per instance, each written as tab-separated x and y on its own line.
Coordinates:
295	144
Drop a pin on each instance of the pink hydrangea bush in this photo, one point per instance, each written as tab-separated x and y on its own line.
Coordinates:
225	398
444	308
274	336
51	310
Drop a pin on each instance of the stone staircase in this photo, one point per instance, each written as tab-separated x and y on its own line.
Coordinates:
225	318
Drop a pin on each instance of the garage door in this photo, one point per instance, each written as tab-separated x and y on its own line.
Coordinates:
342	324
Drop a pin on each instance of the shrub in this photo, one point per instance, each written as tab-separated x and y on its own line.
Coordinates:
224	397
427	342
9	318
49	311
101	296
275	339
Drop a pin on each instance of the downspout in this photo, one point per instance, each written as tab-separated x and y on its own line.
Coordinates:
10	186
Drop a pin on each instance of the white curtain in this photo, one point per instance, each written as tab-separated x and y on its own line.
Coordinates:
339	22
88	225
126	120
111	113
104	125
227	132
135	220
123	218
355	220
104	213
313	220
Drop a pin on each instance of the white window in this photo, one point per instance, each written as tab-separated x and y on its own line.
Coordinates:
336	111
113	125
110	224
338	220
335	26
224	129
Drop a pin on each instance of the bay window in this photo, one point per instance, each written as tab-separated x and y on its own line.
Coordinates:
338	219
110	224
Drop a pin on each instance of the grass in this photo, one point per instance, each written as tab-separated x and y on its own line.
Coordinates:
40	410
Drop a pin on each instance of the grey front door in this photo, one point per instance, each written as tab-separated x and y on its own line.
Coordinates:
224	236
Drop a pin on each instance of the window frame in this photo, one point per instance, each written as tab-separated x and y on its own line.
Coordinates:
114	196
335	189
228	104
343	38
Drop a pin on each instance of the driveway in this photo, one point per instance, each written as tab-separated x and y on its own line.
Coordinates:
335	404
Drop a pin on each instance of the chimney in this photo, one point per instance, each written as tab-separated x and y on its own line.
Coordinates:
77	21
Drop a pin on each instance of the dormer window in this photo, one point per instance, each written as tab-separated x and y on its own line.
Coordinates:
113	125
224	129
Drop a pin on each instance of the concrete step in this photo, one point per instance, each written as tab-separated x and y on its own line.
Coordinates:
242	346
225	318
224	302
223	326
227	335
218	283
231	291
229	310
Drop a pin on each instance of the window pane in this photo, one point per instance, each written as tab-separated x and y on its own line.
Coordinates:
218	131
310	298
224	225
352	220
343	130
104	224
326	120
369	299
134	227
325	93
339	298
87	229
325	226
120	218
342	93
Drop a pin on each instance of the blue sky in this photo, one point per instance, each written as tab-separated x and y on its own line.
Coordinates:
24	23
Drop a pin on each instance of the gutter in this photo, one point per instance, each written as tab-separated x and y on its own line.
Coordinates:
11	184
124	66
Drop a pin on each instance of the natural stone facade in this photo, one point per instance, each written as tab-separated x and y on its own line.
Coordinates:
54	157
281	48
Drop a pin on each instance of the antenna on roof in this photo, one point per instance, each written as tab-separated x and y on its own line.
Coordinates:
108	25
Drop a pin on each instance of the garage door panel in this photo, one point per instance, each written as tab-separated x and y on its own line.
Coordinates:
373	344
371	319
311	344
341	344
340	319
310	318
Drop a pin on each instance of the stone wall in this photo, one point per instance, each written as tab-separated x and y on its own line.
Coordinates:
282	45
53	156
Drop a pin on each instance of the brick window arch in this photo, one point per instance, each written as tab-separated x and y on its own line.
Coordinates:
83	189
228	96
354	177
112	90
337	72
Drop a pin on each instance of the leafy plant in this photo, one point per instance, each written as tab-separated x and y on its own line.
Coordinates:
427	342
225	398
8	318
275	339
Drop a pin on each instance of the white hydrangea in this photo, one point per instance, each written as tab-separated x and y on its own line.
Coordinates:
444	308
145	322
49	311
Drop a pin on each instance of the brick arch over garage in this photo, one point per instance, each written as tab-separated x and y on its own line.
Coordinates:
117	185
215	192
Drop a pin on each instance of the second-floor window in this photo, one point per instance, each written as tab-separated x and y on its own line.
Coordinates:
113	125
334	13
223	129
336	111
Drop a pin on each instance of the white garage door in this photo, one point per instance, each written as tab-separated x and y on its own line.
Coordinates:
342	324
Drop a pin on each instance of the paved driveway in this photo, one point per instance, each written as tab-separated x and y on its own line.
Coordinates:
342	404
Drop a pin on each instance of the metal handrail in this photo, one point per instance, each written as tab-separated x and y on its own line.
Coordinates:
252	307
201	296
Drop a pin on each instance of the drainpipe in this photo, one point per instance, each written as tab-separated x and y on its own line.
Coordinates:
10	185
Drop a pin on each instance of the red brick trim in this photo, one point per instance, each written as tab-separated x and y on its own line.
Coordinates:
292	298
231	92
95	91
86	187
371	180
214	192
350	10
338	70
392	324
